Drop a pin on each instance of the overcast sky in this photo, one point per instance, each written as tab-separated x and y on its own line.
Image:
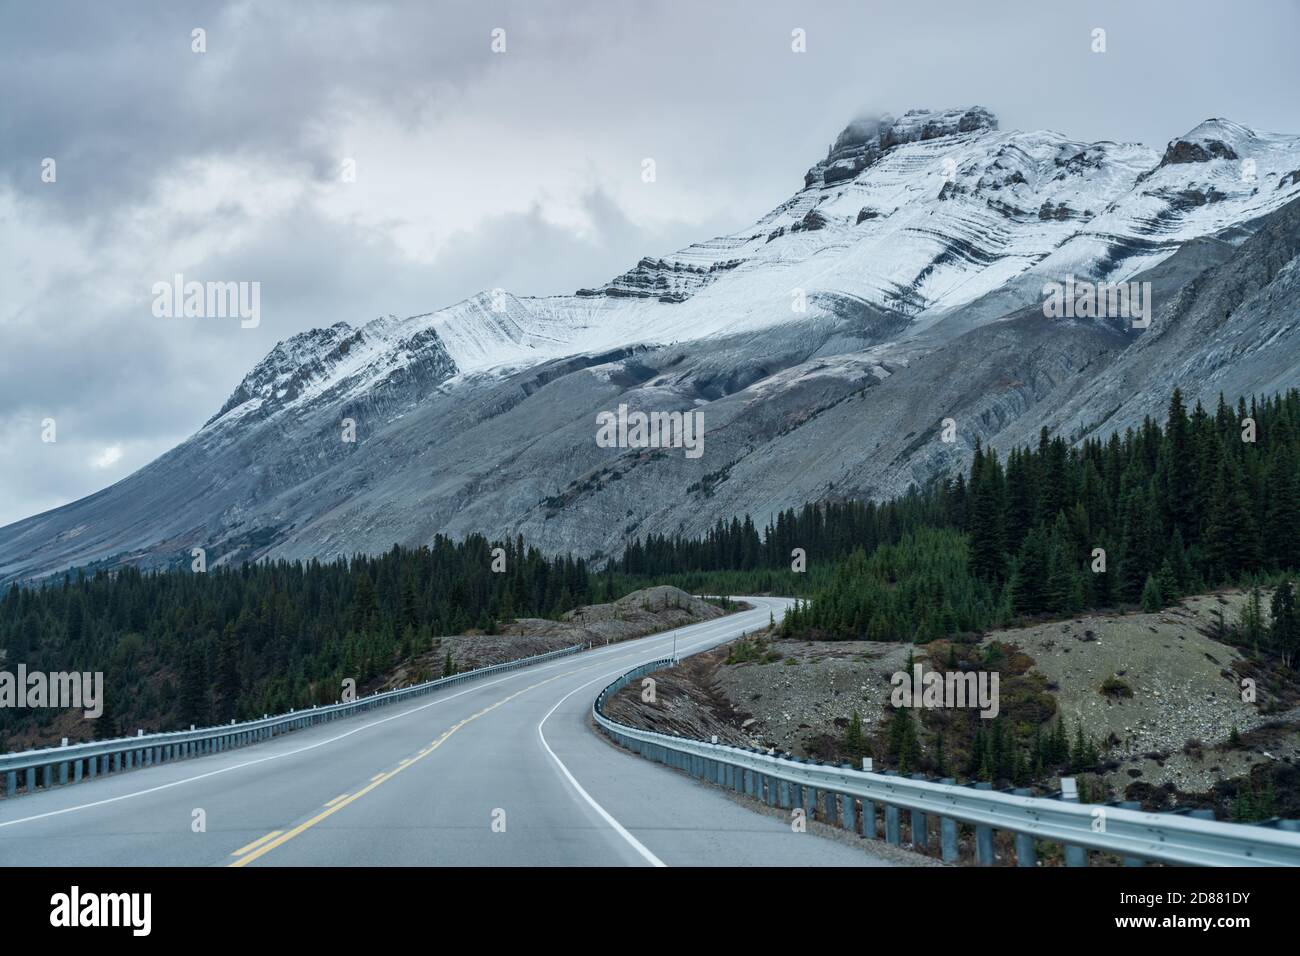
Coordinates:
474	169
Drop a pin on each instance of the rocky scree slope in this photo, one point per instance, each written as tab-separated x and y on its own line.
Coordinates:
901	285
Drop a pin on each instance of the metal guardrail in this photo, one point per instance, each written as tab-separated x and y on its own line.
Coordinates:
85	761
842	796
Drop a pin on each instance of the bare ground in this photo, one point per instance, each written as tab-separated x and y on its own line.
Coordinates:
643	612
1166	724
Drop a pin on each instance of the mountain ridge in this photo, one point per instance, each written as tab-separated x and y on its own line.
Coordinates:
931	228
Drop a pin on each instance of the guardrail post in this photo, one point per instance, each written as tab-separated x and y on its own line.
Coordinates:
1132	860
11	783
893	834
920	826
1026	851
848	807
76	771
31	779
770	784
117	761
47	776
1074	855
63	773
983	836
869	819
92	765
948	832
868	807
783	788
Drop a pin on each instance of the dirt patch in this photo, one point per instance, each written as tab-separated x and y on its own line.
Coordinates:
1159	693
791	697
643	612
1162	691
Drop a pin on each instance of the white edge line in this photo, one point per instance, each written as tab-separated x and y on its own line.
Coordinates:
259	760
605	814
616	648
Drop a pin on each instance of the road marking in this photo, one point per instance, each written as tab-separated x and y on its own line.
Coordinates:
605	814
606	653
378	779
256	843
618	828
260	760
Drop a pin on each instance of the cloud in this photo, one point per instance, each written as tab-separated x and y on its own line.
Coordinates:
107	458
474	170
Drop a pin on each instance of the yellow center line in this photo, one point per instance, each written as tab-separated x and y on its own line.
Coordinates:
277	838
256	843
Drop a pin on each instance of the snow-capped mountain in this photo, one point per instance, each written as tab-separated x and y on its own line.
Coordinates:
880	298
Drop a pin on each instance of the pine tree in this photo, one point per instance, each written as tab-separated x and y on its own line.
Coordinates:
1284	633
227	684
1167	583
1180	480
194	688
855	741
1232	536
1152	600
987	531
1282	529
1032	572
903	745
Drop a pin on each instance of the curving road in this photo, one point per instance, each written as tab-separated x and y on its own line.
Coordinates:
503	772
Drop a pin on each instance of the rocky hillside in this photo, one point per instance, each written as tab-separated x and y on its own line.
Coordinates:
902	284
1160	693
643	612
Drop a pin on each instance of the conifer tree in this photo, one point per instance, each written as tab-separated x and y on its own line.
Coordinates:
1152	600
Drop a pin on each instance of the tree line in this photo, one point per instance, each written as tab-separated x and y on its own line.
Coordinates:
1139	518
180	647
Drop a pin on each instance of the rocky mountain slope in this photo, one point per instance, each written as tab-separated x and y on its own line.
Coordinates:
901	285
1179	734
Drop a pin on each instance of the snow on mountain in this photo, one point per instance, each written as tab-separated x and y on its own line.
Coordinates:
918	249
915	217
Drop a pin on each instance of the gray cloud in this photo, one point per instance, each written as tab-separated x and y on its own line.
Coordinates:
518	171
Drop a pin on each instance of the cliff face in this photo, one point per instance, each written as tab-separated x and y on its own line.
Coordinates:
824	345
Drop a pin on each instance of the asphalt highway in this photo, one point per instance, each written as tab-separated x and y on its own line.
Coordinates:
508	771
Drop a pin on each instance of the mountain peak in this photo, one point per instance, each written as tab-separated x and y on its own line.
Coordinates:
1213	139
863	141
